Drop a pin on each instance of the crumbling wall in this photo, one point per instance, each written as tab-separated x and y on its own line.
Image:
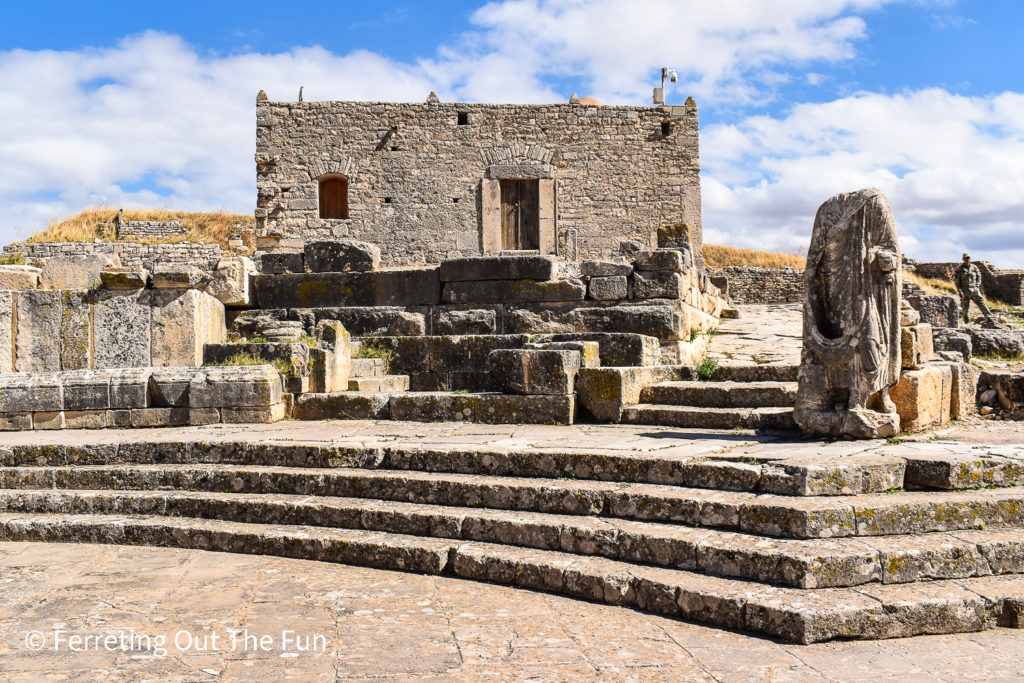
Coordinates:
132	255
417	173
754	285
998	283
137	230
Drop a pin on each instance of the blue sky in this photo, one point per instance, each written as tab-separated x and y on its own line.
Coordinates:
143	104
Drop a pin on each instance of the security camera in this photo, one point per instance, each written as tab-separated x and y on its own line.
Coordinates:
673	77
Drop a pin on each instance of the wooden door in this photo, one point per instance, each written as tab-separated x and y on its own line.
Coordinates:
520	214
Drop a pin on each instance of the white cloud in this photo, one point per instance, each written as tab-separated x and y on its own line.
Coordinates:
952	167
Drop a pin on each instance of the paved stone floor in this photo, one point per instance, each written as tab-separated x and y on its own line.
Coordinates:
378	624
762	334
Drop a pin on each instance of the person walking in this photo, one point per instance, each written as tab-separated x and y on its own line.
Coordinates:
968	283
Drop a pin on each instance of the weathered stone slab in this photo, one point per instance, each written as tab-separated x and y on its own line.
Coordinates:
952	339
7	330
334	340
590	351
1009	386
963	391
168	276
608	288
35	392
279	263
76	348
937	310
512	291
408	287
657	284
916	346
121	329
124	278
295	355
235	387
129	388
85	419
159	417
49	420
374	321
675	236
923	397
491	408
616	349
533	371
664	320
341	256
232	281
675	260
183	320
252	414
87	389
996	342
15	422
605	392
76	272
599	268
39	331
19	278
169	387
342	406
498	268
477	321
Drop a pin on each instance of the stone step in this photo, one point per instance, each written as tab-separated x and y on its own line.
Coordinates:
710	418
797	563
728	371
381	384
788	475
765	515
368	367
797	615
724	394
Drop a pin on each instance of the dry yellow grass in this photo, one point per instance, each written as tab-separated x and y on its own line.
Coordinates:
206	227
719	256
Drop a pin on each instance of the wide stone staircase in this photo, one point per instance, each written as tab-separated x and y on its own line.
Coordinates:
806	549
746	396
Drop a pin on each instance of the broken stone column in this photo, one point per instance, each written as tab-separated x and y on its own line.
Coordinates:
851	351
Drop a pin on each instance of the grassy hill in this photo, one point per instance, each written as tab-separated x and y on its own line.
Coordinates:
209	227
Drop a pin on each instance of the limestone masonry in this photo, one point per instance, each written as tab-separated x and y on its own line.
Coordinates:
432	181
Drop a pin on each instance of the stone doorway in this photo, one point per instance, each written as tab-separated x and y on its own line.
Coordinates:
520	214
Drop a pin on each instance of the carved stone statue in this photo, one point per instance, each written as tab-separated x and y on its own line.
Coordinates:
851	351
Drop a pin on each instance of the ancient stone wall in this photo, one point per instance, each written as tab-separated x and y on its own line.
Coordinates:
1005	285
132	254
137	230
753	285
422	178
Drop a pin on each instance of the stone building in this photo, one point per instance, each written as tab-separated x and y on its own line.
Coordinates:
437	180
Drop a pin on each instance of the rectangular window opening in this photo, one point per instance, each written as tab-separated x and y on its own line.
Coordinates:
463	118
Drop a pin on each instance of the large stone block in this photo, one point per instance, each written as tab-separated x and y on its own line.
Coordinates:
533	371
606	392
342	406
476	321
281	262
657	284
76	272
409	287
169	387
916	347
498	268
37	343
952	339
664	320
675	236
124	278
675	260
938	310
341	256
600	268
183	320
334	340
87	389
19	278
76	349
32	392
996	342
489	408
168	276
963	391
374	321
129	388
294	355
1009	386
609	288
512	291
232	281
590	351
615	349
7	332
923	397
235	387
